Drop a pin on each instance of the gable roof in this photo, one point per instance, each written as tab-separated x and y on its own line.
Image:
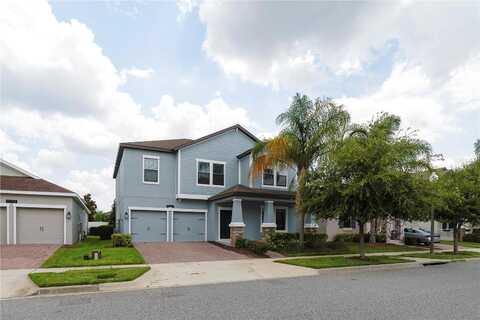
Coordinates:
240	190
30	184
172	145
16	168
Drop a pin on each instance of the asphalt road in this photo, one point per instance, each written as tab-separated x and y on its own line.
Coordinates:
449	291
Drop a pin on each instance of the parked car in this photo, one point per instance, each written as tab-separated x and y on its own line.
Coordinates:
419	236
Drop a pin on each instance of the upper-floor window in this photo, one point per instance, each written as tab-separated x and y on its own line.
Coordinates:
151	169
274	178
210	173
346	223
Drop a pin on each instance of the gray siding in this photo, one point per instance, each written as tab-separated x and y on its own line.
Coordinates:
225	148
8	171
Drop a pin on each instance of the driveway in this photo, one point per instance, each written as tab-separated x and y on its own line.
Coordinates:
163	252
25	256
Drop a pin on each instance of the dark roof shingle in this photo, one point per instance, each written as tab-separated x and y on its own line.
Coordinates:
29	184
244	191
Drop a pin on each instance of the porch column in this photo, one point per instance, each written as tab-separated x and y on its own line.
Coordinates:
237	227
269	224
310	226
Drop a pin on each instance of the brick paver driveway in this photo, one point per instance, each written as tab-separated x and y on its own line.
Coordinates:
163	252
25	256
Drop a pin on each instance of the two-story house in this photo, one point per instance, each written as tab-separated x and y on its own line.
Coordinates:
201	190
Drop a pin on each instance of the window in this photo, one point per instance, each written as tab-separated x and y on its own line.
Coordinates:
268	177
346	223
274	178
447	226
210	173
151	172
280	219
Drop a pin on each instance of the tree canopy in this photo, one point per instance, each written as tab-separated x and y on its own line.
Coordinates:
377	171
310	129
91	205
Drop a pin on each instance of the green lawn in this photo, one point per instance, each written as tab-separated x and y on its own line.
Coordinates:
351	248
463	243
337	262
87	276
72	256
445	255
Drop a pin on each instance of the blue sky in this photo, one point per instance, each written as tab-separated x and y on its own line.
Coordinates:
79	77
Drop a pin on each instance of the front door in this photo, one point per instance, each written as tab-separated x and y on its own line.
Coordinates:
225	219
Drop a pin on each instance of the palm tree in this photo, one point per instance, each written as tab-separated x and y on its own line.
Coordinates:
309	132
476	148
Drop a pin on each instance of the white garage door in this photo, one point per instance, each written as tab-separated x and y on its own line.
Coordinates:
3	225
39	225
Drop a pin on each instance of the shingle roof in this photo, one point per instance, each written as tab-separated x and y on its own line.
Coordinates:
244	191
29	184
171	145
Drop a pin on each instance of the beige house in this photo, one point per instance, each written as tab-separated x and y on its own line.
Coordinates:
36	211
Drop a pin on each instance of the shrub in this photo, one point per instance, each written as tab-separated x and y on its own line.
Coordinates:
93	231
241	243
345	237
121	240
472	237
336	246
280	240
315	240
258	246
105	232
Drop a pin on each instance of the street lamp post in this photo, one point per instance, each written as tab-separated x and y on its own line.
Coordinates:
433	178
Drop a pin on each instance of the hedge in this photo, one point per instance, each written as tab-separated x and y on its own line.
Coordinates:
105	232
121	240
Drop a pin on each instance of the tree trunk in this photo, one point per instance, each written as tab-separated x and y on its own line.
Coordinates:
455	239
373	231
361	244
301	231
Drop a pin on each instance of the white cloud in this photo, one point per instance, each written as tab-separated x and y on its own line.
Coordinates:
136	73
185	7
61	93
292	44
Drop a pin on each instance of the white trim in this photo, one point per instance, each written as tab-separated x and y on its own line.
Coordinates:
193	196
40	206
146	156
314	225
275	171
218	222
236	224
148	209
25	172
239	171
179	167
7	207
211	162
269	225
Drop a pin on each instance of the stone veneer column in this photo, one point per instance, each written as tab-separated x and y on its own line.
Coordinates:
237	226
269	224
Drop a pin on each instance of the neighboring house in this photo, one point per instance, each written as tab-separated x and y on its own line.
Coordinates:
34	211
201	190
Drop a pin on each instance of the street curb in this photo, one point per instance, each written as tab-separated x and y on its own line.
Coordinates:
68	289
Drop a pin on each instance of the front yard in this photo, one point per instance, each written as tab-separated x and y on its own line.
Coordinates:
338	262
350	248
72	256
462	243
88	276
445	255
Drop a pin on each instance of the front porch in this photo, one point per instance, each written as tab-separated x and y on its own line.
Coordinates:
251	213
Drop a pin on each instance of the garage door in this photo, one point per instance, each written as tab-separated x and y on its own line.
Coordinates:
188	226
35	225
3	225
149	226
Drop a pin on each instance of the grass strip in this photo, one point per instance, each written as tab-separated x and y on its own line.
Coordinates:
338	262
87	276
